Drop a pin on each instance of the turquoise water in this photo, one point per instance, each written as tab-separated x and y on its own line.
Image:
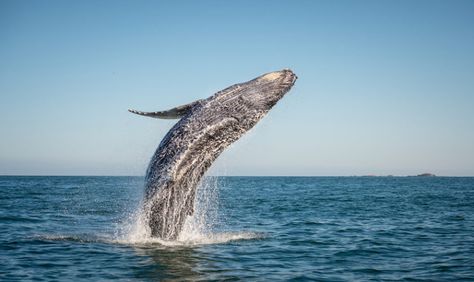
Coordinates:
257	229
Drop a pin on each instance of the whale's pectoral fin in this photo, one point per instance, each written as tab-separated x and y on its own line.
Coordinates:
173	113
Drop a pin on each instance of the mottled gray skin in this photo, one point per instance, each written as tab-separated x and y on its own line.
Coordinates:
205	129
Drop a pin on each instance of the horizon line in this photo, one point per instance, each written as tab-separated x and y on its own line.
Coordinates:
97	175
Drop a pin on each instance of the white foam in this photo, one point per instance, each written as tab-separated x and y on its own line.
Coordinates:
196	240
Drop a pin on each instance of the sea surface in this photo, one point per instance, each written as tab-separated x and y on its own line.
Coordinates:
245	228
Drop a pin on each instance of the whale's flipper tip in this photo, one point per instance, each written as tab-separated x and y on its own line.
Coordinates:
174	113
140	112
162	115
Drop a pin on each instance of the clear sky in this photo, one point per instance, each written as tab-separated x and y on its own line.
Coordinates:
385	87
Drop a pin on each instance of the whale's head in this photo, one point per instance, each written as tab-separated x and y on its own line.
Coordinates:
249	101
266	90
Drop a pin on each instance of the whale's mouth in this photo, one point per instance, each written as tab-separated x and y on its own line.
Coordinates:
291	76
295	77
288	78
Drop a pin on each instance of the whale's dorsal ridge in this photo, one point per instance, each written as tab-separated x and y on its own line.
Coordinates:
174	113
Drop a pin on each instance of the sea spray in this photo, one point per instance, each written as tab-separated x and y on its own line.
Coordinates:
198	227
206	212
203	227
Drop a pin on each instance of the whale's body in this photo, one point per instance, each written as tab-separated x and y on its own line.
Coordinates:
206	127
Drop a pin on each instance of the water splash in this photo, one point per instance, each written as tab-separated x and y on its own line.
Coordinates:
206	206
198	229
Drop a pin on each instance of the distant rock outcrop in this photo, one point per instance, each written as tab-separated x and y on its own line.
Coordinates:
426	175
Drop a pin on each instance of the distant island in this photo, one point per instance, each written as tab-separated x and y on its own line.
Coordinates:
426	175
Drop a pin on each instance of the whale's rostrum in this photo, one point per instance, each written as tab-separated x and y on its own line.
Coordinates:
206	127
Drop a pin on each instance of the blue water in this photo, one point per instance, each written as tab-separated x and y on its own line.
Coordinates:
264	229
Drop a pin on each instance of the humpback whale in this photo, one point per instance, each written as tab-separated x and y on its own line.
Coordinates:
205	128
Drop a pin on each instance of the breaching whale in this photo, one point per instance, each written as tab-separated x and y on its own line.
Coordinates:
206	127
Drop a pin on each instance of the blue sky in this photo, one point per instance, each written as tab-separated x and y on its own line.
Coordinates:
385	87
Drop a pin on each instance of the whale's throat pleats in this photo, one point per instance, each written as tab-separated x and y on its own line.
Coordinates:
174	113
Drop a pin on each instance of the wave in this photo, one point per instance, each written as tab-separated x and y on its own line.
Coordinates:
194	240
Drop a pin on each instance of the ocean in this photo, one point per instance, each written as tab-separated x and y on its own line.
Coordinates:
244	228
